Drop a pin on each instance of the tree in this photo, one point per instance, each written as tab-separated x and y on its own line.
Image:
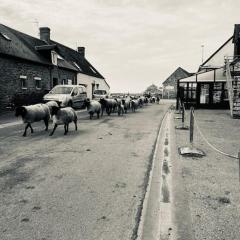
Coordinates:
152	89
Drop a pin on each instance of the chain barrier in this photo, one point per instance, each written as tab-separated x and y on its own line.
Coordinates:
206	140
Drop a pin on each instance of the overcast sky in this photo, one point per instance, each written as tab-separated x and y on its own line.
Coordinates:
132	43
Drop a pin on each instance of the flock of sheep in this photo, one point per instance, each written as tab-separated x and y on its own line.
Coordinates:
64	116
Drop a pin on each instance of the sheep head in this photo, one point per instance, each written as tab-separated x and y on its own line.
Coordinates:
55	110
21	111
87	102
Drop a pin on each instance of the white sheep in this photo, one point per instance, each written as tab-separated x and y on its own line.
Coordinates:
33	113
93	106
63	116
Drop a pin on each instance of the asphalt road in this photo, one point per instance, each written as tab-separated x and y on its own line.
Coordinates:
87	185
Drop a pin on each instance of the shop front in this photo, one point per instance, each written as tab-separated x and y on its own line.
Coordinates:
204	90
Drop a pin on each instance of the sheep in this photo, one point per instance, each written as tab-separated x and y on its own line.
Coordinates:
127	103
120	105
93	107
134	104
108	104
33	113
63	116
50	104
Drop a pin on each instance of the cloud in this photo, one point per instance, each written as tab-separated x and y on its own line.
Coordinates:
132	43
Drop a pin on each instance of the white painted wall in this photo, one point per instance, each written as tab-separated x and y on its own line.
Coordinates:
89	80
218	59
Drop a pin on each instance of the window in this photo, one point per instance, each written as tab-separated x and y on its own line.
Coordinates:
38	83
192	90
54	57
64	82
5	36
23	82
78	67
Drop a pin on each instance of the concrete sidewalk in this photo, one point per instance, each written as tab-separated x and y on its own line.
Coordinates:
212	182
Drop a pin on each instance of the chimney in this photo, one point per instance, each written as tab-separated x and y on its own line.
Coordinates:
81	50
236	40
45	34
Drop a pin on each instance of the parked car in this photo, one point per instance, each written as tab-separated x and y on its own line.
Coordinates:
98	94
67	95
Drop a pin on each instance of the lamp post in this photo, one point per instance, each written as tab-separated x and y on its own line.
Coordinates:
202	46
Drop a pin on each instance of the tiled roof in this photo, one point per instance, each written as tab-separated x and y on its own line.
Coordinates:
21	45
73	57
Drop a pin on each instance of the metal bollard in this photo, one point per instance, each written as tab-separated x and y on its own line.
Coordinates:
191	125
239	164
183	115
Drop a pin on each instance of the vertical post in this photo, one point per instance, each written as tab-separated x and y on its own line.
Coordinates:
239	164
191	125
183	115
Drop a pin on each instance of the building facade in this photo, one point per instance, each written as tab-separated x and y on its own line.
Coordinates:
170	84
30	67
211	85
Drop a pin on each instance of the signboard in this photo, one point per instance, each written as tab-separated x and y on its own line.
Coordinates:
236	96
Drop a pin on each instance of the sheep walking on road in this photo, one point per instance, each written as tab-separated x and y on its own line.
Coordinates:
63	116
134	104
93	106
109	104
120	106
33	113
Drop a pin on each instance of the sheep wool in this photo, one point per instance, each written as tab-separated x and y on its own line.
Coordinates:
94	107
36	113
64	115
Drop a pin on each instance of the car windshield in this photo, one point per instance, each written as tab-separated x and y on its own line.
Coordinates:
100	92
61	90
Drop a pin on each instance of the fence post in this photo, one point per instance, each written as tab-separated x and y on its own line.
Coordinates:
191	125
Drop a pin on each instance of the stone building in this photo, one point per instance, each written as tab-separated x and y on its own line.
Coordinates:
30	67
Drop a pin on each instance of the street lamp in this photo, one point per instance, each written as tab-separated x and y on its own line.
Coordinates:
202	46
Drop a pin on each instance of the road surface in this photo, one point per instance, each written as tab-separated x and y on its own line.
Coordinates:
87	185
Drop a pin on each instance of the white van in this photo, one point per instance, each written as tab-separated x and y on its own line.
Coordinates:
98	94
67	95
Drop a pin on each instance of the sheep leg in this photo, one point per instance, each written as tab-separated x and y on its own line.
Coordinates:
25	131
98	113
54	128
65	128
46	124
75	121
31	127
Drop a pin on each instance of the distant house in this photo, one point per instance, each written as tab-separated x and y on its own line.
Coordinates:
212	85
170	84
30	67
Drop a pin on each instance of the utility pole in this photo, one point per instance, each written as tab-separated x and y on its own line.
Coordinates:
202	46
